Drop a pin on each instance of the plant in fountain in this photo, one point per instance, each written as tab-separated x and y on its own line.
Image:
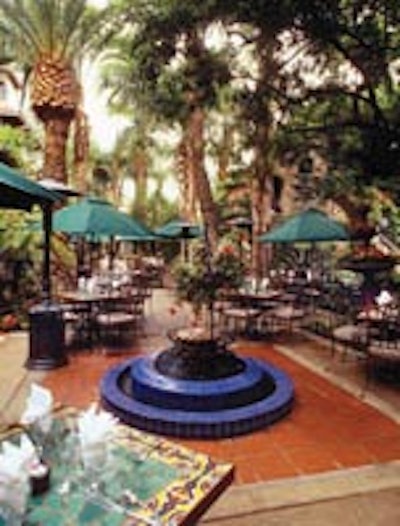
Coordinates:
198	353
201	281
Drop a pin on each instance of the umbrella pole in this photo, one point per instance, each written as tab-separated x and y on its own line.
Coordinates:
112	253
46	328
46	283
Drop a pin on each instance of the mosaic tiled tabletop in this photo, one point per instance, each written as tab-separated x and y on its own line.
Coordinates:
147	481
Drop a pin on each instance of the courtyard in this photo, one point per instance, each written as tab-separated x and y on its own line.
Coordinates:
334	455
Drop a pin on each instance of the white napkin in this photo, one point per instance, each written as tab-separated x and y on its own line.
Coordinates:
383	298
15	463
95	429
38	408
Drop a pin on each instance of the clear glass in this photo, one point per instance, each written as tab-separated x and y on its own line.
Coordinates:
13	502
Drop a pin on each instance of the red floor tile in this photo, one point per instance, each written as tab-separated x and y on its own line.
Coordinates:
328	428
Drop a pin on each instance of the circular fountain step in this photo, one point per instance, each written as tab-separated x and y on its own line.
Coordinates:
148	385
140	396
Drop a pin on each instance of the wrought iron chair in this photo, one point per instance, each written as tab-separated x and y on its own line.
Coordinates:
117	319
348	332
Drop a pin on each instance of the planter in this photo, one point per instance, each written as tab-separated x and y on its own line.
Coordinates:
197	355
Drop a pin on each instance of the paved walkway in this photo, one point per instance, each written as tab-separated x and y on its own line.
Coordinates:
366	493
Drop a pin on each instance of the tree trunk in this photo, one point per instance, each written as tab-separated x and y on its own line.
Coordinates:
263	146
56	136
357	214
81	151
202	184
261	199
224	155
186	179
140	175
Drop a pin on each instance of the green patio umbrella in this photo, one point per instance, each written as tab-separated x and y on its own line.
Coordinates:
178	229
46	335
16	191
95	217
310	226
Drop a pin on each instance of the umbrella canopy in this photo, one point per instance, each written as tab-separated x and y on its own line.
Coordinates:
57	186
178	229
93	216
16	191
311	226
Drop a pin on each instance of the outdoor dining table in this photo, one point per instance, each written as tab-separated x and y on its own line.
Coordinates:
383	323
259	300
146	480
92	302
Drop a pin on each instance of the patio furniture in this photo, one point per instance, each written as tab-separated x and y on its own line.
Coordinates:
239	320
140	478
383	361
348	333
383	352
86	305
285	317
117	319
76	316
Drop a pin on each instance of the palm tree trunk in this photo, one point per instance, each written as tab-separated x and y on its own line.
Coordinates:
81	150
262	194
140	162
261	200
202	184
56	135
188	199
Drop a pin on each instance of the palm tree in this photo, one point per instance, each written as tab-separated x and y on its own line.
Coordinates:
178	84
50	38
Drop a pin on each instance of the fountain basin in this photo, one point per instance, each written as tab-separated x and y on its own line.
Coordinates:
137	393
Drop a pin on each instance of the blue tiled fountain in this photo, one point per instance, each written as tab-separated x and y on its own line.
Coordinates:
197	388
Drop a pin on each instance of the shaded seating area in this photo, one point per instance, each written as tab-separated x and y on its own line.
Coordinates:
116	320
349	334
76	317
383	352
103	312
285	317
353	330
239	320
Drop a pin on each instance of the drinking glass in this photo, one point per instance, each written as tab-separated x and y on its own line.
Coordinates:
14	501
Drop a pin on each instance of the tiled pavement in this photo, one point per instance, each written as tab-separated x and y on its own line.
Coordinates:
332	446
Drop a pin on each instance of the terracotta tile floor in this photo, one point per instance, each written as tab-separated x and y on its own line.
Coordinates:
328	429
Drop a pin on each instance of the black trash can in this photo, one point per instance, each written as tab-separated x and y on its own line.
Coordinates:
46	337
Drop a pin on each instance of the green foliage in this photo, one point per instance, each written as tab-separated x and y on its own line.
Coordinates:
201	281
21	258
65	29
358	123
16	145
